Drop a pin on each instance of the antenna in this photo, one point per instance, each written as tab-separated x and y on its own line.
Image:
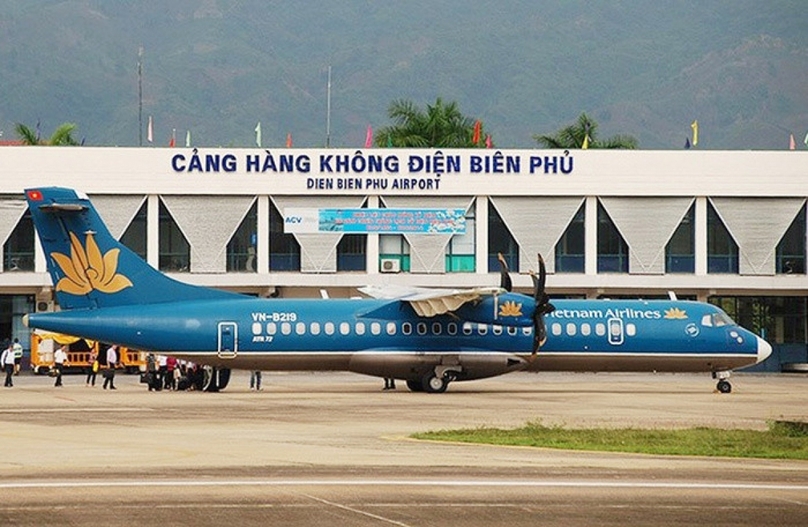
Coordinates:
328	110
140	95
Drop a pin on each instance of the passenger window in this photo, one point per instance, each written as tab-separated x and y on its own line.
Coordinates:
315	328
329	328
406	328
286	328
256	328
391	328
571	329
512	330
451	329
344	328
586	329
272	328
360	328
556	329
467	328
527	331
631	330
437	329
600	329
482	329
421	327
300	328
497	330
375	328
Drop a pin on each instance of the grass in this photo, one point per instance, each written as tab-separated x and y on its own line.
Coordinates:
782	440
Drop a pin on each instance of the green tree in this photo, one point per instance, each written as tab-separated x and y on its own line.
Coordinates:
62	136
573	136
440	126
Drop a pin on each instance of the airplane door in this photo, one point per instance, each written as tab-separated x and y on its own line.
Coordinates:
615	333
228	340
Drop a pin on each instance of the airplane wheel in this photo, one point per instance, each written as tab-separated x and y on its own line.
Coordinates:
724	386
434	384
415	386
215	378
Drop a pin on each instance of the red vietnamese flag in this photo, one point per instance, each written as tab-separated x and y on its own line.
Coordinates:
475	138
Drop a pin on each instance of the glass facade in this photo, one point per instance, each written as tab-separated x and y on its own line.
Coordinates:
284	250
790	254
612	248
722	251
175	251
501	241
352	252
680	252
136	234
569	251
241	249
18	251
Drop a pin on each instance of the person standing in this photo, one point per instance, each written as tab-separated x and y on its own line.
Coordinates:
59	360
389	383
17	347
93	370
109	373
7	362
255	380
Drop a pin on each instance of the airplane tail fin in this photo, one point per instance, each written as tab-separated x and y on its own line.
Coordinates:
88	266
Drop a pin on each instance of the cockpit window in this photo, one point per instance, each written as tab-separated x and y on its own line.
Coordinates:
717	320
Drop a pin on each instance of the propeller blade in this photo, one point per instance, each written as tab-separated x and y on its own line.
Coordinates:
504	276
542	307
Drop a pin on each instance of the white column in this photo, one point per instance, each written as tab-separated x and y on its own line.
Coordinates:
700	241
153	231
481	235
591	236
262	233
372	245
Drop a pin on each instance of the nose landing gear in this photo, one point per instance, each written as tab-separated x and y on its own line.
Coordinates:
723	385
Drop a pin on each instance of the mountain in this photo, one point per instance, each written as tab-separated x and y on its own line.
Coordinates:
217	67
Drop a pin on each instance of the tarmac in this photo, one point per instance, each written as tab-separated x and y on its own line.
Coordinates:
335	449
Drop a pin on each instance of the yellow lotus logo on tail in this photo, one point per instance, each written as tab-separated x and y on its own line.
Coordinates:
88	269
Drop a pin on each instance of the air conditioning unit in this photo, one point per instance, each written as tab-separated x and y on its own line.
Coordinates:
390	265
43	307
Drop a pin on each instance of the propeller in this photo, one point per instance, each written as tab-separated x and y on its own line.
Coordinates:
504	278
543	307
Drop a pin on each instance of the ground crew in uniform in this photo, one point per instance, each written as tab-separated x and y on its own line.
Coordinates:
7	362
59	361
17	347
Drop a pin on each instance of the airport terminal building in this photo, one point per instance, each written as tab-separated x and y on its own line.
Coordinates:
728	227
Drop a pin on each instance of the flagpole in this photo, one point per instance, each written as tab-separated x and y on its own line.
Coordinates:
140	95
328	110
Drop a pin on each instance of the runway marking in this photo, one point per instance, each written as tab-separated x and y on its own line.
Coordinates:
356	511
402	483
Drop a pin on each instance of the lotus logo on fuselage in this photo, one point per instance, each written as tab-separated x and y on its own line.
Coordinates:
88	270
675	313
510	309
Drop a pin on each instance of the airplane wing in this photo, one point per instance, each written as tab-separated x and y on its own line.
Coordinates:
430	302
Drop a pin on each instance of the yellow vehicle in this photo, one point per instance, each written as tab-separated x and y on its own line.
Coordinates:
78	353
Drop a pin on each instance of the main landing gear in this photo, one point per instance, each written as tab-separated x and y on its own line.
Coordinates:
723	385
436	381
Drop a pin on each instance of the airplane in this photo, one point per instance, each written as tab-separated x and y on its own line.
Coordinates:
426	337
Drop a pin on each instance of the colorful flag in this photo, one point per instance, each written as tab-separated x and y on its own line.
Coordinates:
687	143
488	142
585	146
475	138
150	130
258	134
173	141
187	138
369	137
792	144
289	140
695	127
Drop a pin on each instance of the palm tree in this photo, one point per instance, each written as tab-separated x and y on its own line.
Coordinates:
440	126
574	136
63	136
